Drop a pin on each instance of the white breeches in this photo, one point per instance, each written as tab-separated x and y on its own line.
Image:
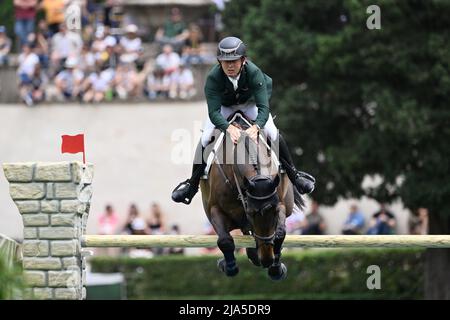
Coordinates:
250	110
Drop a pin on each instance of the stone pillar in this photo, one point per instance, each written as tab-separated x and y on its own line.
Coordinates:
54	201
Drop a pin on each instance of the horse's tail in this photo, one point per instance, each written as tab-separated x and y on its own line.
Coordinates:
298	199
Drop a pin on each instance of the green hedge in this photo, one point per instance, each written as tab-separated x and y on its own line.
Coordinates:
312	274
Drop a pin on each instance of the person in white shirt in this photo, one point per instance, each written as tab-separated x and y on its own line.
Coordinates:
131	44
68	82
169	61
185	82
27	63
64	44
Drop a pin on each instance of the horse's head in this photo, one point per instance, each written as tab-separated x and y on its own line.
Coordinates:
262	212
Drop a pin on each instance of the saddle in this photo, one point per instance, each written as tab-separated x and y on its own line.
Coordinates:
240	120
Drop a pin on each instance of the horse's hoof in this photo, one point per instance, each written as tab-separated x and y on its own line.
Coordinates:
229	271
277	273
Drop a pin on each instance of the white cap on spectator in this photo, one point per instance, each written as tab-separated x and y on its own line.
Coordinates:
99	33
131	28
110	41
71	62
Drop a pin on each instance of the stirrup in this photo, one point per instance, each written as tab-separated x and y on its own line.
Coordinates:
306	176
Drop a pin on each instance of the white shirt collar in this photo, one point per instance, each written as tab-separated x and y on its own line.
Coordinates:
234	81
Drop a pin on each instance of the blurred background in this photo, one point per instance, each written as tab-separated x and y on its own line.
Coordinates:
365	110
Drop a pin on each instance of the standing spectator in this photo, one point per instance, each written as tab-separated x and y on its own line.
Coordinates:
174	31
5	47
54	14
134	224
108	222
27	65
65	43
382	222
156	222
418	222
25	14
354	223
314	223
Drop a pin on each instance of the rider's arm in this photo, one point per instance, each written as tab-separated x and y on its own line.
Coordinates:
212	94
259	86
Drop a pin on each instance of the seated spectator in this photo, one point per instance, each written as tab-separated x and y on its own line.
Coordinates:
354	223
28	61
382	222
126	80
131	44
418	222
69	81
86	62
170	62
5	47
192	53
157	84
98	83
108	222
156	222
173	32
134	223
184	83
39	82
314	223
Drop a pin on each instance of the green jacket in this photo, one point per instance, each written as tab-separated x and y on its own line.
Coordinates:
253	85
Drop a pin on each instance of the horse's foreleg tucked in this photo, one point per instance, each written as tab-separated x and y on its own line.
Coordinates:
225	243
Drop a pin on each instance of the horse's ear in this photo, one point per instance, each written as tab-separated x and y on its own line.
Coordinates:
276	181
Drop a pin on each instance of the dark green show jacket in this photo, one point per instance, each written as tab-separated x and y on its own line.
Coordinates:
253	85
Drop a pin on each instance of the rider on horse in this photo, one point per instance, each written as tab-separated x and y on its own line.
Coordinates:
238	84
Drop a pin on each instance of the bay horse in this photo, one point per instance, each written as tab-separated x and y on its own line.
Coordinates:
246	191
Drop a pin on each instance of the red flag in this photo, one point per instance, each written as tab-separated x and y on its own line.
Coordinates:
73	144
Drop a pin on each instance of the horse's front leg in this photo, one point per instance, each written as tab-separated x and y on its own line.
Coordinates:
278	271
252	253
225	242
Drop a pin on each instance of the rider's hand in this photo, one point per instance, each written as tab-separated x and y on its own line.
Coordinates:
234	132
253	132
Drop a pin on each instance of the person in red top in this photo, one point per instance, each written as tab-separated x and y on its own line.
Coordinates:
25	14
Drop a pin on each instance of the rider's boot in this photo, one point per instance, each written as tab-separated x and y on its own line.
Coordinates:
303	181
186	190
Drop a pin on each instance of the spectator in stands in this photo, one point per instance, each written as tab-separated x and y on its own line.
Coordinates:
25	14
382	222
314	222
98	83
54	14
108	222
39	83
156	222
418	221
43	39
69	81
126	80
354	223
64	44
86	63
5	47
185	82
157	84
191	53
173	32
28	61
131	44
170	62
134	224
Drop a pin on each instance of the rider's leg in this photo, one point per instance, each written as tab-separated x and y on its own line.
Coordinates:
303	182
186	190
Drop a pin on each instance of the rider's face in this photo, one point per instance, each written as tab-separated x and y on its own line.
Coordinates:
231	68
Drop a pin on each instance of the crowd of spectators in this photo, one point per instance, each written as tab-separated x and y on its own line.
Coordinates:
104	59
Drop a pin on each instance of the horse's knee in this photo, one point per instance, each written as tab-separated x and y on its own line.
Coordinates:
226	244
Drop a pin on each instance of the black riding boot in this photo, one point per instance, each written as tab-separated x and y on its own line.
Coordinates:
303	181
186	190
